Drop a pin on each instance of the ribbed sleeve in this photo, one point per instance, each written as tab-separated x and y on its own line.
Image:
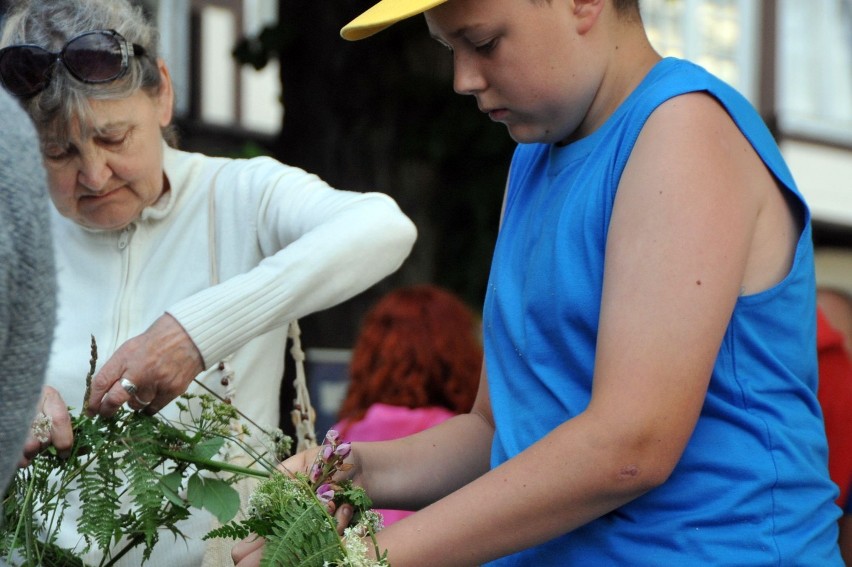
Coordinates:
318	247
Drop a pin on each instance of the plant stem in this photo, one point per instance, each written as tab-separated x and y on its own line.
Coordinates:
133	542
218	397
211	464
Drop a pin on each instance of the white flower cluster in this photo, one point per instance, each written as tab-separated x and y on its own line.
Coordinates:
356	547
42	425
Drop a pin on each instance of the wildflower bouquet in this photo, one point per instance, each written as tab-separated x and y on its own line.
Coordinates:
132	475
135	475
295	515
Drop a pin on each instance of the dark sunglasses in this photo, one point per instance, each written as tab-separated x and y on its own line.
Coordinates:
98	56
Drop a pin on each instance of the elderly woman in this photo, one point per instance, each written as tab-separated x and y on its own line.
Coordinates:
182	266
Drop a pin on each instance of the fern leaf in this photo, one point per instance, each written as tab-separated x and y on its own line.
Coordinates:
302	536
139	464
293	543
99	500
126	472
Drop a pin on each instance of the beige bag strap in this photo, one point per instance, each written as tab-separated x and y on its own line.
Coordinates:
304	416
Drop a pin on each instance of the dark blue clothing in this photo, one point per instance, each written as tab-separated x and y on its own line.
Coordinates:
752	487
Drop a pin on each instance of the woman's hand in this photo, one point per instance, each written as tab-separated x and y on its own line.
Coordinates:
247	553
148	371
51	426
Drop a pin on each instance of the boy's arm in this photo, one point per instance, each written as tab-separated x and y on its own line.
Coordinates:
415	471
409	472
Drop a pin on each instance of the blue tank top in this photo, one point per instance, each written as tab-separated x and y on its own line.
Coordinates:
752	486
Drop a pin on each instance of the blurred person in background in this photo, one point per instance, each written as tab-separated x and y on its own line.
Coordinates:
835	397
833	267
834	349
416	363
27	282
185	268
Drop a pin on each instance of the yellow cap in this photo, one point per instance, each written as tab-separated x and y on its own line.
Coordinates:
384	14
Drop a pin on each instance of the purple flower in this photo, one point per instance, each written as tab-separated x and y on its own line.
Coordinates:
325	493
316	472
343	449
332	436
327	453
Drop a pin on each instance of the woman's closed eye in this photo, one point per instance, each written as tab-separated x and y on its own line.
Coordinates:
56	152
113	141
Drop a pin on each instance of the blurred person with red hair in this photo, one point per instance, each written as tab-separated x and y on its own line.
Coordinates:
833	269
415	364
835	398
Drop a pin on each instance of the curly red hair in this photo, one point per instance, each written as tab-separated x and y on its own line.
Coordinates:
419	346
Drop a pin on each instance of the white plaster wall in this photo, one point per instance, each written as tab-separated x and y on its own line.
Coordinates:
824	176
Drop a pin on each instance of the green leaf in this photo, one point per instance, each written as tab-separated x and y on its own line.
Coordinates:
170	485
214	495
208	448
220	499
355	495
195	491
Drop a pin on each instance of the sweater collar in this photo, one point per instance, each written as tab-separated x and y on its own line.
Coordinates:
161	208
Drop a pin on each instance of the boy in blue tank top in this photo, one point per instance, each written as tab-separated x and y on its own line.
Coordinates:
648	390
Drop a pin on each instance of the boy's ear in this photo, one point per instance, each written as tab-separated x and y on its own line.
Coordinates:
586	13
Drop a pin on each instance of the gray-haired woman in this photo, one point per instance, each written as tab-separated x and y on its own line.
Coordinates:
174	261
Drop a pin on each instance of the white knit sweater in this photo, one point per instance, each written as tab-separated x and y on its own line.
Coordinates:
286	245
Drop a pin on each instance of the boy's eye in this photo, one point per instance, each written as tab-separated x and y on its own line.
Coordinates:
487	47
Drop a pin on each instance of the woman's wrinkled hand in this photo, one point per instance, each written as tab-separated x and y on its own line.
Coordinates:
148	371
247	553
51	426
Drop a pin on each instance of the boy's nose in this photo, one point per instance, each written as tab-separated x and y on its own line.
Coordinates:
467	78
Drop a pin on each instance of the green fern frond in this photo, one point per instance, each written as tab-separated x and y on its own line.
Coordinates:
298	530
232	530
293	543
99	487
127	472
147	500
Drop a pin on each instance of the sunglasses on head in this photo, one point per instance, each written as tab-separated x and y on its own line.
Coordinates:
98	56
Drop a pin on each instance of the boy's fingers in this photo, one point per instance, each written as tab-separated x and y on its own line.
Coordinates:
343	515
